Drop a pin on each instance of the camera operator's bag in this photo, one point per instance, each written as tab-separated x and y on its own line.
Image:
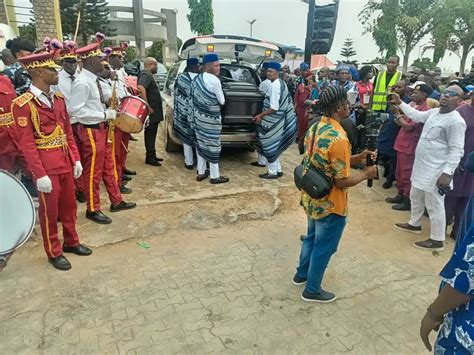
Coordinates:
314	182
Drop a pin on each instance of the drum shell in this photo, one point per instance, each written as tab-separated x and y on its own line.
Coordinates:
132	114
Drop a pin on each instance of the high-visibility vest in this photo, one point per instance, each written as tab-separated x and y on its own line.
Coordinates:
379	100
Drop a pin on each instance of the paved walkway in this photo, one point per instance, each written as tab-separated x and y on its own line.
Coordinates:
216	277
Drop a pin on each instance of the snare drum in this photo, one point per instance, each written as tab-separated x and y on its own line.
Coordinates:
17	215
132	114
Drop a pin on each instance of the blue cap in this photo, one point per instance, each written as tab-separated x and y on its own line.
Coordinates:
274	65
192	61
210	58
265	65
469	88
342	67
304	66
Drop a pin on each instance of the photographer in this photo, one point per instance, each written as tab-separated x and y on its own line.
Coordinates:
328	150
437	156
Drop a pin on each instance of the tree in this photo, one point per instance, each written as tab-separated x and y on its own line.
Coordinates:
94	18
28	31
398	25
131	54
425	64
156	51
201	16
454	30
348	51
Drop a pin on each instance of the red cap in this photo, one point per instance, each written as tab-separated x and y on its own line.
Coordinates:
39	60
91	50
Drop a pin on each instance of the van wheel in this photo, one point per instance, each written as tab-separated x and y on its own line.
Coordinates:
170	146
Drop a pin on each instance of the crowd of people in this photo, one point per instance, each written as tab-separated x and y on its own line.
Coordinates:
57	127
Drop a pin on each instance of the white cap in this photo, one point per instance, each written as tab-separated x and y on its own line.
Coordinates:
416	84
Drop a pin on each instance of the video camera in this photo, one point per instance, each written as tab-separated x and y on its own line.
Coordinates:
370	128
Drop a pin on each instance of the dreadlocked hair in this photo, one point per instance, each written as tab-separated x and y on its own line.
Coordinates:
331	99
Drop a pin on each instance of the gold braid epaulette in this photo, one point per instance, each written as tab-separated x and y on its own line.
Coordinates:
22	100
59	95
6	119
57	139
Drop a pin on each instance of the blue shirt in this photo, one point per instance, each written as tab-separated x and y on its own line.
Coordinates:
19	77
456	334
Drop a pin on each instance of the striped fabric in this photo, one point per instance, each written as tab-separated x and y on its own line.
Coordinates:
277	131
207	121
182	113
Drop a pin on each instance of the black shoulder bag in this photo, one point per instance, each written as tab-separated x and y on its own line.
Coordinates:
314	182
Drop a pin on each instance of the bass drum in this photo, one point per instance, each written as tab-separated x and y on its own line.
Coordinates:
17	213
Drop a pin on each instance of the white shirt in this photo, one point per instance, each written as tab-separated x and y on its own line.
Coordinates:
64	87
85	103
214	85
106	87
121	83
264	86
440	148
42	96
274	91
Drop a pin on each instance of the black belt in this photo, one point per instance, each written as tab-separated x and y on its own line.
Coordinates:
94	126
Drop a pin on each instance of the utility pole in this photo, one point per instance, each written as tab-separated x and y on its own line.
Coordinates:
309	32
251	26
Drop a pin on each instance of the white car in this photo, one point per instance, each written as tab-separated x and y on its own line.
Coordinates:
240	57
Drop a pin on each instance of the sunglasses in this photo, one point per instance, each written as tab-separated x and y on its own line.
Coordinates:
450	93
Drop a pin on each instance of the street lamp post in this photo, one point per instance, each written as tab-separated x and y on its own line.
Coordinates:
251	26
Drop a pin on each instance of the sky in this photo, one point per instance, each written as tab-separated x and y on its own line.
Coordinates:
284	21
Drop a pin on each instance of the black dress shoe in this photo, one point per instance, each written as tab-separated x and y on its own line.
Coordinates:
122	206
98	217
268	176
129	172
125	190
80	197
387	184
405	205
189	167
159	159
396	199
256	163
60	263
78	250
126	177
280	174
153	162
220	180
202	177
132	138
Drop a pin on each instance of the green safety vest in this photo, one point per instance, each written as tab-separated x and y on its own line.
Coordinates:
379	100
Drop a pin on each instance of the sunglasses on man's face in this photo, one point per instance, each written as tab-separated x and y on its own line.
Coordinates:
450	93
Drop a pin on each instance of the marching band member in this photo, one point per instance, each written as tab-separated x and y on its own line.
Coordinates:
121	138
182	123
8	147
67	75
207	99
276	125
46	140
86	106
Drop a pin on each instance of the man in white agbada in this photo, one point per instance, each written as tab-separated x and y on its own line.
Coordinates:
437	156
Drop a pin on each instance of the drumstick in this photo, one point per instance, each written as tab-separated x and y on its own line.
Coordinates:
78	19
124	147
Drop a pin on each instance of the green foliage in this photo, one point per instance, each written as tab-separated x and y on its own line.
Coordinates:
94	18
201	16
378	60
454	29
156	51
28	31
348	51
398	25
426	64
131	54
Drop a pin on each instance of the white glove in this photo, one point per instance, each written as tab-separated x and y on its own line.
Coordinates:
77	170
44	184
110	114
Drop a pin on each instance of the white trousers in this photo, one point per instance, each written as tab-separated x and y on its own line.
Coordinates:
434	203
188	154
262	160
274	168
213	167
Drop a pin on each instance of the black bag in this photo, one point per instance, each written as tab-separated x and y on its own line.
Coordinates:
314	182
